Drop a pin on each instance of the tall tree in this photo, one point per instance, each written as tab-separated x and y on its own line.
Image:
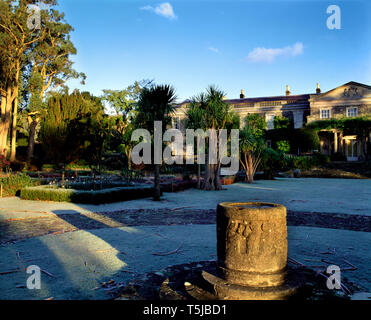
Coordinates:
49	68
17	35
34	44
156	103
123	101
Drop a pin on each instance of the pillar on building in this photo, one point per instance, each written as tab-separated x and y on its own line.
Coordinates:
336	142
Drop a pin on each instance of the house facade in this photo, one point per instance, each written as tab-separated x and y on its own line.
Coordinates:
351	100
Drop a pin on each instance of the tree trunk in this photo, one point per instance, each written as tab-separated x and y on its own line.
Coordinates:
157	191
129	159
250	168
2	123
212	178
14	132
31	139
6	122
198	176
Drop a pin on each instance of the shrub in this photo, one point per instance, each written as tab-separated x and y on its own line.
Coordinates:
48	193
14	183
302	163
320	159
4	163
283	146
271	163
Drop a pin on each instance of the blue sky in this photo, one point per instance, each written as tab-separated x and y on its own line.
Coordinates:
258	46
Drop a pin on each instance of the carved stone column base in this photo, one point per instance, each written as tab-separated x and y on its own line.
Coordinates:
227	291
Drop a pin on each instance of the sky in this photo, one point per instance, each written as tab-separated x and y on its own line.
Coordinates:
257	46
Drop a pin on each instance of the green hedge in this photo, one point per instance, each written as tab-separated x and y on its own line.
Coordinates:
48	193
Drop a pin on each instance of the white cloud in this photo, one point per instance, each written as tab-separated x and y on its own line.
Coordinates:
213	49
270	54
164	9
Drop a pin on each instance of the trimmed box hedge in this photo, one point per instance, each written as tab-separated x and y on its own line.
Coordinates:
48	193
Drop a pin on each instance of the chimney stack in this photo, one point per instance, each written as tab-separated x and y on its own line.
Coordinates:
318	90
242	95
288	93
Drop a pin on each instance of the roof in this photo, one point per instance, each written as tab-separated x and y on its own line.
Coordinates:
273	98
300	97
351	83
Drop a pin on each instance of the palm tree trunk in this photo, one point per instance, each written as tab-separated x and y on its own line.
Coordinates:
250	168
157	191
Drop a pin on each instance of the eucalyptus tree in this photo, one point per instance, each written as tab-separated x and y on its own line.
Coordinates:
17	36
156	103
35	44
123	102
49	68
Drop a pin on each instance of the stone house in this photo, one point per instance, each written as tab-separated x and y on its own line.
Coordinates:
349	100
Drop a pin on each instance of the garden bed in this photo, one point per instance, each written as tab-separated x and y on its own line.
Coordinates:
51	193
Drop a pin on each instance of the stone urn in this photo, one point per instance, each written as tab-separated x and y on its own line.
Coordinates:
252	252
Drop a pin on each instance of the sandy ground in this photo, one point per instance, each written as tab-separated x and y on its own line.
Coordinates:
81	261
76	263
306	195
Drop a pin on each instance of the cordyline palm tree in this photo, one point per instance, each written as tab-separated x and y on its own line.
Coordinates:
252	145
210	111
156	103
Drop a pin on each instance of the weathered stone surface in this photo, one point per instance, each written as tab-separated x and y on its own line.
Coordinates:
252	243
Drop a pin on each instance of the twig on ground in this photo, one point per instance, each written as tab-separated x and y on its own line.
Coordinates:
352	265
11	271
327	261
47	273
175	209
296	262
168	253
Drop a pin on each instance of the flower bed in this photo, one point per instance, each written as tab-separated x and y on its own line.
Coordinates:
50	193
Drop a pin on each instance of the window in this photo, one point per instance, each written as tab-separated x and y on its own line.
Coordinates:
176	123
325	114
269	119
270	103
352	112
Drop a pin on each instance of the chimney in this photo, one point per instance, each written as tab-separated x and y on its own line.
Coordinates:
288	93
318	90
242	95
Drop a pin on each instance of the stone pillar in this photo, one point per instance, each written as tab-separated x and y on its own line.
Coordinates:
252	252
252	243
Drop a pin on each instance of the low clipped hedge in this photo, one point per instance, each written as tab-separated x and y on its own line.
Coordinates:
48	193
